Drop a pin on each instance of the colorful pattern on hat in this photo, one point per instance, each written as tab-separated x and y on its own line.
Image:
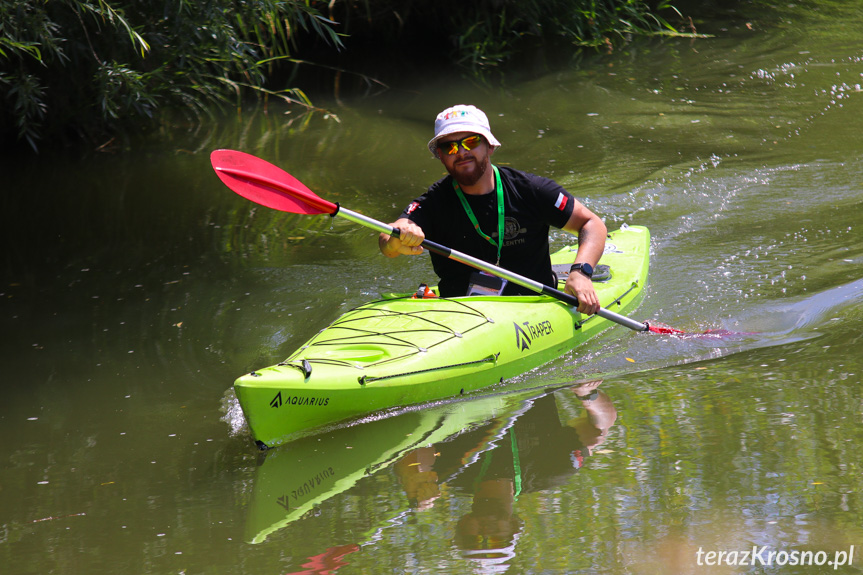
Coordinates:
461	118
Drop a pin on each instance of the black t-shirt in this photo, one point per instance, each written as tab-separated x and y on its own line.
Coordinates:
532	204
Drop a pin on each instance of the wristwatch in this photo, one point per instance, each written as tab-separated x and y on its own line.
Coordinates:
586	269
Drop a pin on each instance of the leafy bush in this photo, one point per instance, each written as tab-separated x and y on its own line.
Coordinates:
482	35
85	69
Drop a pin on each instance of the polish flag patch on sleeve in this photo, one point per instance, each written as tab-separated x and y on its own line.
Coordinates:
560	204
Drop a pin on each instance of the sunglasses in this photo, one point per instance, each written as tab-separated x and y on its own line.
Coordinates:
468	143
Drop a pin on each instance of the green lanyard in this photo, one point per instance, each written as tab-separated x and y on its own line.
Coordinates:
500	209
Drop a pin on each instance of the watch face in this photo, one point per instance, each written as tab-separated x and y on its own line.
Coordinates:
586	269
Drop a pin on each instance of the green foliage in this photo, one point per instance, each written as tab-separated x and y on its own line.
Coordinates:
86	68
73	69
591	23
483	35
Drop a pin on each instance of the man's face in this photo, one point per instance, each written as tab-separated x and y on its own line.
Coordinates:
467	167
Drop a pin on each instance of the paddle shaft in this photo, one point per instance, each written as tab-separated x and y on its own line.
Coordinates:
490	268
268	185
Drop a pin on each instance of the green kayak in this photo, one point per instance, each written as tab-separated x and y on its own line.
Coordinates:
402	351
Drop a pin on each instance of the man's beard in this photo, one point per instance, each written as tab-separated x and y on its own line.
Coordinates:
471	178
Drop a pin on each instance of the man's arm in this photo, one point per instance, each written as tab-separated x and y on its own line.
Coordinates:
591	232
407	243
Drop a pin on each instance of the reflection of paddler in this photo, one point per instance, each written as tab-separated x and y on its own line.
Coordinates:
419	481
491	524
599	415
534	455
547	444
544	447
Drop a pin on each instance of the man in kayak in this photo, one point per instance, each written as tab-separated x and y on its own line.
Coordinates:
477	204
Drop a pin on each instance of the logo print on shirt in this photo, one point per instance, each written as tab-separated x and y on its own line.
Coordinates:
511	229
412	207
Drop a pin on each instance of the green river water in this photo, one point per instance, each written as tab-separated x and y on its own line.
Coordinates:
136	287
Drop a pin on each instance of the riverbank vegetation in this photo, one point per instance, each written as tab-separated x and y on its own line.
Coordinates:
88	70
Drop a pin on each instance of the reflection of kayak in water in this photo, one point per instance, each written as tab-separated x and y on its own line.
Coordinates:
461	443
406	351
295	478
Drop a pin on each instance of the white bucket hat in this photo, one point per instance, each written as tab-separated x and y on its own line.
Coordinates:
461	118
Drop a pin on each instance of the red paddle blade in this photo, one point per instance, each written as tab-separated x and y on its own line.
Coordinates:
664	329
268	185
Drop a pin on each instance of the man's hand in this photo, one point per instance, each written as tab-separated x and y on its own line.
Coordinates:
591	233
581	287
407	243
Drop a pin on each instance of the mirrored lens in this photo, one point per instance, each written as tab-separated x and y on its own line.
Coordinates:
468	143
